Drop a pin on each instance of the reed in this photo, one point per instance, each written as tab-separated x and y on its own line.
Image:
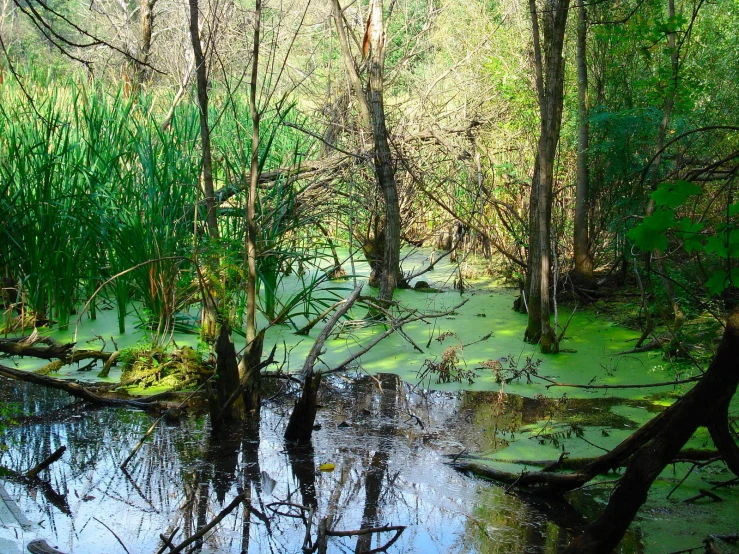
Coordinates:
91	186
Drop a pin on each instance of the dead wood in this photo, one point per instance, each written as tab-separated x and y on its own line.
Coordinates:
315	350
648	450
35	484
77	390
38	468
410	317
300	425
64	354
305	170
212	523
632	386
40	546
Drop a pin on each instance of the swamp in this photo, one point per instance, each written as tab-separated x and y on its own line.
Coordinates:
375	276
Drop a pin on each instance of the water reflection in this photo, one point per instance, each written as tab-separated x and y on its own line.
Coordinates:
385	440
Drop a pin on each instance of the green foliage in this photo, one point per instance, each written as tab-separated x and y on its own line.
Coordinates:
718	241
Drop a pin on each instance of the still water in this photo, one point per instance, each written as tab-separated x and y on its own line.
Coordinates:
387	441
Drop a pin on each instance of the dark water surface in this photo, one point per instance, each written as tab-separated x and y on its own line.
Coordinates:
388	444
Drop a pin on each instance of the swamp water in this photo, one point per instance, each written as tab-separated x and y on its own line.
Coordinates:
387	438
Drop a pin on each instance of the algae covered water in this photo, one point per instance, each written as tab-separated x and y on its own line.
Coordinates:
379	460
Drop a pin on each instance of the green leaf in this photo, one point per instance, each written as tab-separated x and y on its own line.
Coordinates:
690	233
651	233
715	244
675	194
733	209
717	283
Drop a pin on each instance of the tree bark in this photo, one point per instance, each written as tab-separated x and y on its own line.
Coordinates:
384	170
201	74
705	405
555	21
146	17
648	451
251	238
351	68
583	271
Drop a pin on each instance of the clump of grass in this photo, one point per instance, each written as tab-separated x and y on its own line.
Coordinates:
152	366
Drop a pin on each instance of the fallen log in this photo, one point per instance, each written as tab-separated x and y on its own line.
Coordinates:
53	350
77	390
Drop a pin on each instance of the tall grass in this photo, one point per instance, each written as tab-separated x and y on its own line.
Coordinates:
91	187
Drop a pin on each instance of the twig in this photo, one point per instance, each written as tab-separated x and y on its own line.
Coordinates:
661	384
695	465
215	521
393	327
703	493
167	540
113	533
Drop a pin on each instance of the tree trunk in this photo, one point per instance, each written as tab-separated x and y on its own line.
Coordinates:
706	404
201	73
372	116
384	170
146	16
251	238
583	271
351	68
551	93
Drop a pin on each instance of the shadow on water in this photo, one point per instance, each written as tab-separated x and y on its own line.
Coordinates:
377	460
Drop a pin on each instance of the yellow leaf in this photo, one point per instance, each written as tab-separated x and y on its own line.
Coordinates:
327	467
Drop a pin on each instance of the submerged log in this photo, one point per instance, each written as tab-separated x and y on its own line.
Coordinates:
38	468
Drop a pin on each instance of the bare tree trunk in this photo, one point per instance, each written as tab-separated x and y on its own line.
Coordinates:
146	16
251	239
583	271
372	116
351	68
201	73
551	120
384	171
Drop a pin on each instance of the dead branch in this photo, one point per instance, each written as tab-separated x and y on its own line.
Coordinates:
305	170
394	326
34	471
310	361
215	521
77	390
645	386
300	425
369	531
